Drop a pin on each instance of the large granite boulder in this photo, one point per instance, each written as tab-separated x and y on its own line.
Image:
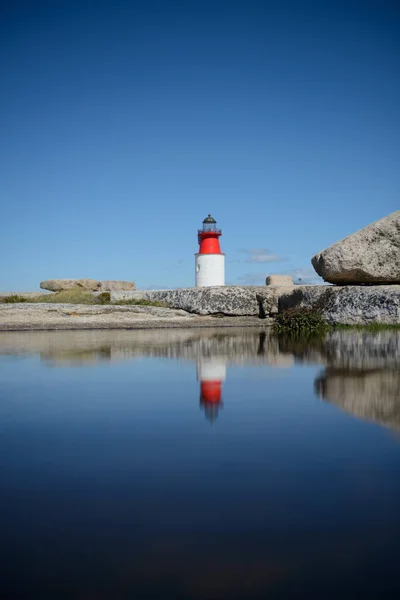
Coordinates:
371	255
225	300
347	305
114	286
59	285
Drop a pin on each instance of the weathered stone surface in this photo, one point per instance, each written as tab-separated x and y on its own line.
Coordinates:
371	255
227	300
284	280
348	305
114	286
268	299
59	285
46	316
372	395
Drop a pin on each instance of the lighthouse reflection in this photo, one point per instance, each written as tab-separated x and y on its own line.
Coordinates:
211	372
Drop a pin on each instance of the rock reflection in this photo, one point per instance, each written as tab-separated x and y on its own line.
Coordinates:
361	369
362	375
70	348
372	395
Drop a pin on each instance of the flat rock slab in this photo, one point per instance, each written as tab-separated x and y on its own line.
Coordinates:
46	316
226	300
371	255
59	285
111	286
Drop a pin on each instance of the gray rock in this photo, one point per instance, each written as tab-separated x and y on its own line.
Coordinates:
113	286
279	280
371	255
348	305
59	285
47	316
226	300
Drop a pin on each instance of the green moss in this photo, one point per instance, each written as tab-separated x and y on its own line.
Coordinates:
141	302
80	296
299	321
12	299
73	296
103	298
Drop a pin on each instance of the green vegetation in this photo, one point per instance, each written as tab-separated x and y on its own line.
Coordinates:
80	296
73	296
103	298
300	321
12	299
310	321
141	302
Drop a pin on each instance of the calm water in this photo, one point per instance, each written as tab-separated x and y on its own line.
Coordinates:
199	464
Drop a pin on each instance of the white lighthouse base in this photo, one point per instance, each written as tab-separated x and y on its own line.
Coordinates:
210	269
211	369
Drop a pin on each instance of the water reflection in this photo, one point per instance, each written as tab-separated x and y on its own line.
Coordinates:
211	372
114	485
361	371
372	395
361	374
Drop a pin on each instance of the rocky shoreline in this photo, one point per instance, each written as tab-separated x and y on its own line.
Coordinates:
364	268
213	306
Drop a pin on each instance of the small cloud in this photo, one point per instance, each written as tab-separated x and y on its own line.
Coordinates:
261	255
178	264
233	260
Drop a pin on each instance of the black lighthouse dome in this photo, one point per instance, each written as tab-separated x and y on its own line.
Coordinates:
209	224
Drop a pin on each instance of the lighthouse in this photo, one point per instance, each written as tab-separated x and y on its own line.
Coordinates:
210	261
211	372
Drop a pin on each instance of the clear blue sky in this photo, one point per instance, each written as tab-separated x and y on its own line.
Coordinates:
122	124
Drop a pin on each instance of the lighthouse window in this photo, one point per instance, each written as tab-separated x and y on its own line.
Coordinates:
197	267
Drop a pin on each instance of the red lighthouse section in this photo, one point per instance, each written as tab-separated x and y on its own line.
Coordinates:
208	237
210	391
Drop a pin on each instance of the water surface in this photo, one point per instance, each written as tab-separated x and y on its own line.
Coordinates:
199	464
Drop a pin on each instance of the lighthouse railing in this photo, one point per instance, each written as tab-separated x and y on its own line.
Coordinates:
203	231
